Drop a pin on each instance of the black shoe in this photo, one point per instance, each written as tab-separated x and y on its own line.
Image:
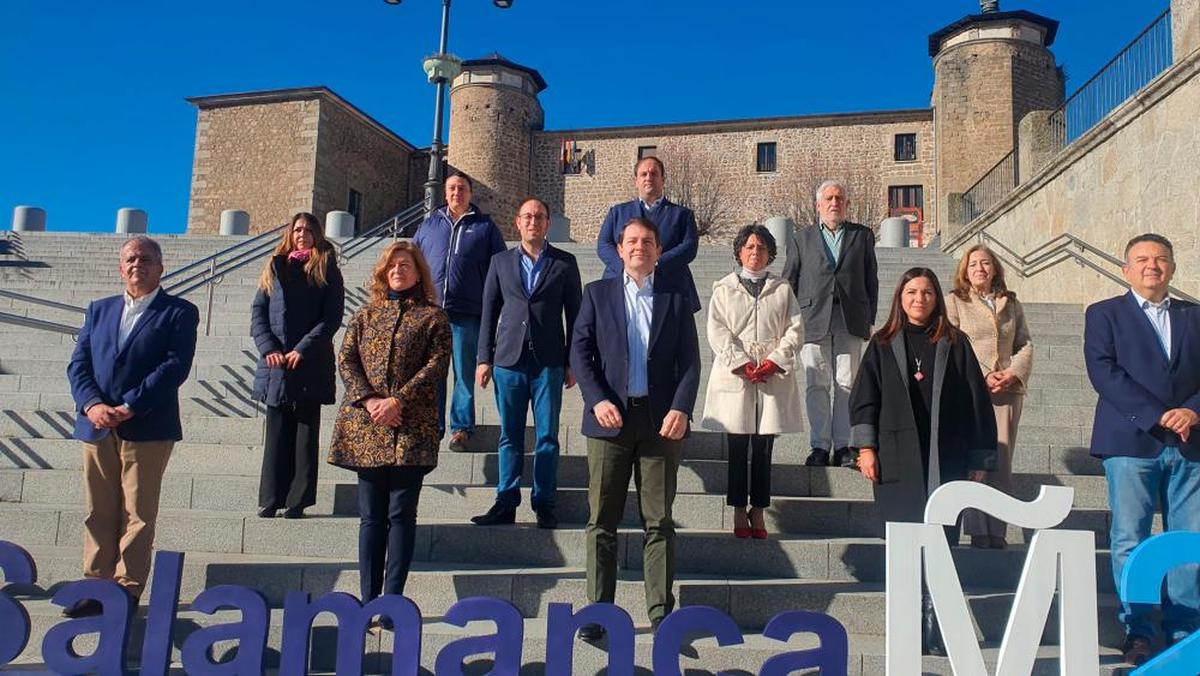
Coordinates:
546	518
818	457
293	513
655	624
84	608
931	634
459	440
498	515
1137	650
381	624
592	633
844	457
266	513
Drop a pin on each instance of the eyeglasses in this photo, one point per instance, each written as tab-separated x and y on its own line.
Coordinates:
531	217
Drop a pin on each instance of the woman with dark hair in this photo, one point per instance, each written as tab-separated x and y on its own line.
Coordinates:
982	307
294	315
920	413
395	353
755	331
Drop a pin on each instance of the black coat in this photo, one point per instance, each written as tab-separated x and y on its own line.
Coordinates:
963	423
297	316
817	283
509	316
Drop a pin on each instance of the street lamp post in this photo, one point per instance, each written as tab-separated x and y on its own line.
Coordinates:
441	68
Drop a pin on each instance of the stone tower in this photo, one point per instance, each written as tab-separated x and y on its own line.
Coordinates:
494	111
990	70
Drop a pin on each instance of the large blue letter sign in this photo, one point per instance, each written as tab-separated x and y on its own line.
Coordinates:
19	568
1141	582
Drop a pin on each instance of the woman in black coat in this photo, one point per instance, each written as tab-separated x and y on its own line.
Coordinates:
920	412
294	315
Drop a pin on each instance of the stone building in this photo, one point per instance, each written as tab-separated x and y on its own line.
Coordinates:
272	153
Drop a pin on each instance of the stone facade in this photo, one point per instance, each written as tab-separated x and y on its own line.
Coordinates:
712	167
1185	27
274	153
1134	172
259	157
493	113
989	72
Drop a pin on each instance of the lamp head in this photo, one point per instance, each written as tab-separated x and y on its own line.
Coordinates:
502	4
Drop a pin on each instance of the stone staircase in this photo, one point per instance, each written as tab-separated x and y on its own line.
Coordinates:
826	551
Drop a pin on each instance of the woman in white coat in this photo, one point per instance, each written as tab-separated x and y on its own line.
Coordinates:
755	331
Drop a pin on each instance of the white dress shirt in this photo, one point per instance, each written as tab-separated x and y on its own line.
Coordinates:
1159	318
639	311
134	309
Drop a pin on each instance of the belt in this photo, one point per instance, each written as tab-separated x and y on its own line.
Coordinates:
637	402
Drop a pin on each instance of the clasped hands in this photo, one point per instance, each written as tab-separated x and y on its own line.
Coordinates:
106	417
1001	381
760	373
1180	421
278	360
383	410
674	425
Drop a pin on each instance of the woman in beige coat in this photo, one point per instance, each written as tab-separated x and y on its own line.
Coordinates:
755	331
991	316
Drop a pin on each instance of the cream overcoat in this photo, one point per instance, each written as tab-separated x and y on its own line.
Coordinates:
744	329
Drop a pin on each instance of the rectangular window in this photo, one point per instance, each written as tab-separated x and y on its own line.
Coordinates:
765	160
354	204
905	197
647	151
906	147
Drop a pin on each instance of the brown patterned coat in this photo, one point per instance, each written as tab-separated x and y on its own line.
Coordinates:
401	349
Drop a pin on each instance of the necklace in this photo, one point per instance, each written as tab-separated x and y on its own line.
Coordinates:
918	376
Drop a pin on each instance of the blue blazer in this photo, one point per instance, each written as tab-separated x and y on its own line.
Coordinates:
1134	379
509	315
600	356
145	375
676	231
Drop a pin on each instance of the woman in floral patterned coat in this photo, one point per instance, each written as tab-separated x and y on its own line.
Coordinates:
396	351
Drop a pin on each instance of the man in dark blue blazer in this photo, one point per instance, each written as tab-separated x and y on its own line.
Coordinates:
676	226
1143	358
530	301
133	353
636	355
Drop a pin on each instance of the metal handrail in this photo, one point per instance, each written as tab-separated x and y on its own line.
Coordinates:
1062	248
42	324
393	227
993	186
42	301
227	250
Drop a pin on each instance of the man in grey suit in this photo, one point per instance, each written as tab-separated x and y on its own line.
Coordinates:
835	278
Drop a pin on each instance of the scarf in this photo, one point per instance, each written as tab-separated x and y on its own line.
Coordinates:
300	255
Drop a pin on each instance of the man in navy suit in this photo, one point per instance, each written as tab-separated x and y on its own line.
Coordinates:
133	353
1143	358
637	357
531	290
676	226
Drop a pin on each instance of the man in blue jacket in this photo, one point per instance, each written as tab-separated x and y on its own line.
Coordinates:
459	242
676	224
530	302
636	356
1143	357
134	352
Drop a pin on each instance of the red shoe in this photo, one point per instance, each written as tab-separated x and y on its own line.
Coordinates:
742	533
758	533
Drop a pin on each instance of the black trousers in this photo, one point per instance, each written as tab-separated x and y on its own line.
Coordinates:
759	448
387	527
289	469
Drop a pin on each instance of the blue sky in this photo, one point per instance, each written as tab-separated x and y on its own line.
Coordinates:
93	115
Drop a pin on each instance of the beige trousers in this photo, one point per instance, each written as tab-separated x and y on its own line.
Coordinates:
122	481
1007	406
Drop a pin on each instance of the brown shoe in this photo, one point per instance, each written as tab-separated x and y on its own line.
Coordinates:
1137	650
458	441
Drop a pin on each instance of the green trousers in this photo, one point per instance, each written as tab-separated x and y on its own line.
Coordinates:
652	461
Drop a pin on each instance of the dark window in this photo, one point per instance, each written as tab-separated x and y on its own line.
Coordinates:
765	161
354	204
647	151
906	197
906	147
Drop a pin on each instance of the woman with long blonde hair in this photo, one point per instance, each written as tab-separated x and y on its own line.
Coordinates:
394	356
294	316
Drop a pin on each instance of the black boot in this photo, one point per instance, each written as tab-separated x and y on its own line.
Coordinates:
931	634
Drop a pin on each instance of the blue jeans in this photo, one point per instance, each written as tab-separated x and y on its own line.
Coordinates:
1136	486
387	528
517	387
464	344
